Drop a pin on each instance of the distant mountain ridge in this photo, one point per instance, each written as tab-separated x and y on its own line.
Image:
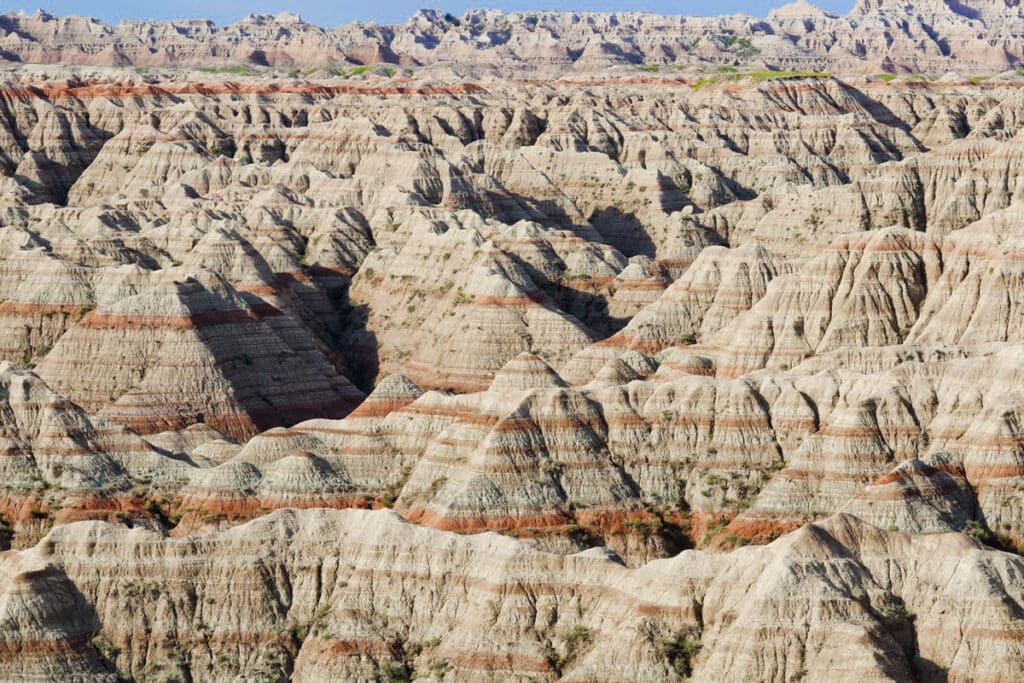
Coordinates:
920	36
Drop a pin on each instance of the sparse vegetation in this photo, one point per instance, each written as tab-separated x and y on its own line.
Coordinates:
713	530
439	667
732	76
977	531
893	609
578	637
813	221
572	643
680	652
234	70
647	528
107	649
221	147
735	540
299	632
391	491
741	46
554	468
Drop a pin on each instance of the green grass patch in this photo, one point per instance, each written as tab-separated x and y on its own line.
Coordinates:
235	70
886	77
757	76
329	70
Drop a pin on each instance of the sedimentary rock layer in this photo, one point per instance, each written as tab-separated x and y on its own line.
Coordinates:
587	337
355	595
926	35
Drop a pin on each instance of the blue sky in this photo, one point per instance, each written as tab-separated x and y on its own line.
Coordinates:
335	12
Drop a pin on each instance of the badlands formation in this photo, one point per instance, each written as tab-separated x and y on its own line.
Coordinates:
381	353
984	36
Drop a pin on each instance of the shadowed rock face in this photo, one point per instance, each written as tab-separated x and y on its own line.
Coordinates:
705	373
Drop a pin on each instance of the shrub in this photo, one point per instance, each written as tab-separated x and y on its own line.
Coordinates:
578	637
680	652
299	632
977	531
554	468
894	609
439	667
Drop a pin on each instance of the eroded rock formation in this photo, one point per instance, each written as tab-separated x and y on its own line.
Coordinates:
925	35
693	372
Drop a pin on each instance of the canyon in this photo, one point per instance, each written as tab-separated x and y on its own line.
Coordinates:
538	346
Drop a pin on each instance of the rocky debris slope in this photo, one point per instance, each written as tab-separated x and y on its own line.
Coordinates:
927	35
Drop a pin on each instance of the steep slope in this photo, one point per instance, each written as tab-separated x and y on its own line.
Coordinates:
188	349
